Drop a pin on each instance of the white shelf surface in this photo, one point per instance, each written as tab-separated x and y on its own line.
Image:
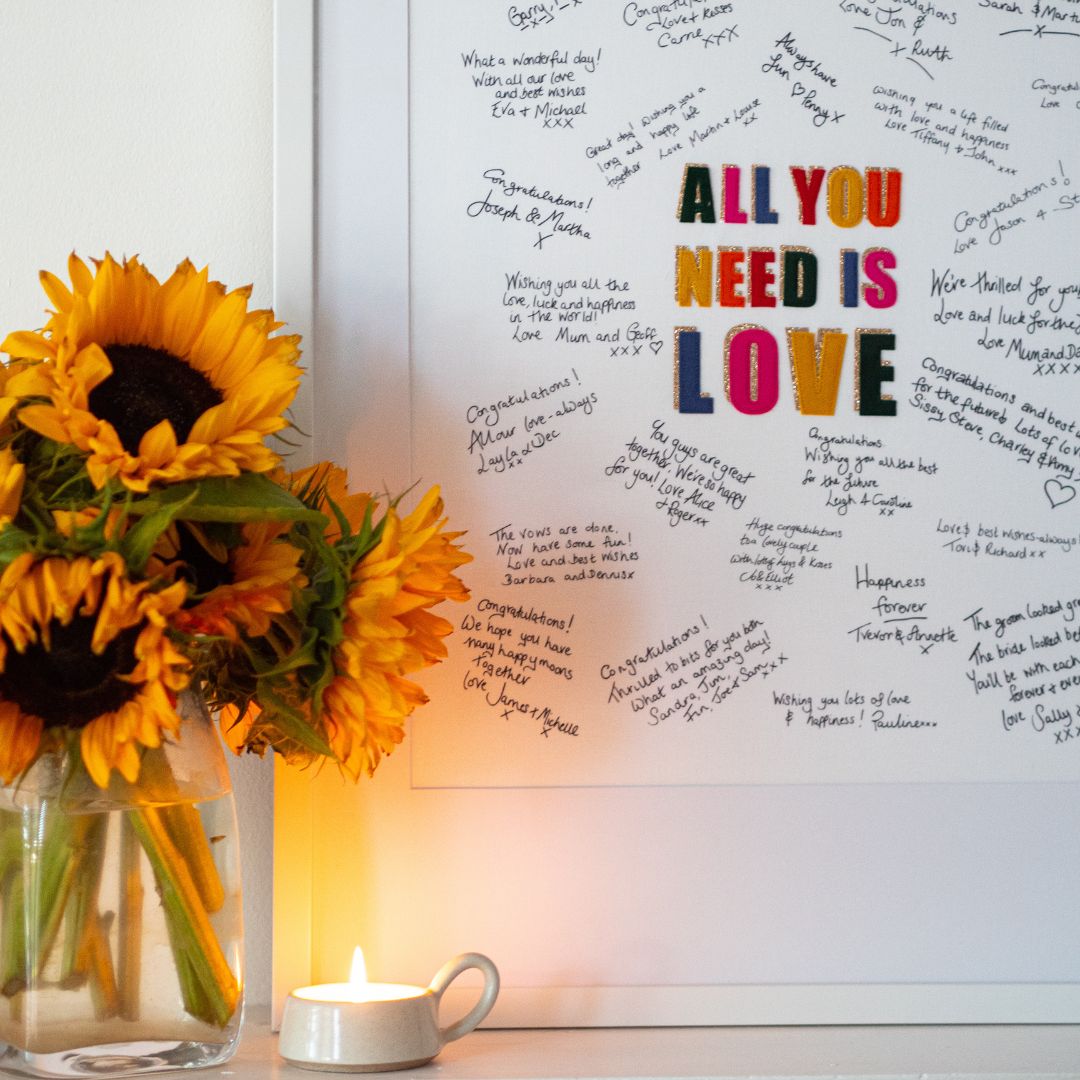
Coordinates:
783	1053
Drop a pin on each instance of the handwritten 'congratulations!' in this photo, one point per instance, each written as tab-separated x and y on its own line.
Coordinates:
787	276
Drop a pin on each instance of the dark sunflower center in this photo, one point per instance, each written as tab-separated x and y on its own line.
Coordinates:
67	685
147	386
199	568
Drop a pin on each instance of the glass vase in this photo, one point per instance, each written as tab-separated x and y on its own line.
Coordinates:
120	914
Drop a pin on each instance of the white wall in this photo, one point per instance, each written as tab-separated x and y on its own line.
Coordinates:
144	127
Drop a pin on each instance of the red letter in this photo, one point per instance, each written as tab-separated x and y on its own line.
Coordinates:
807	187
883	206
761	277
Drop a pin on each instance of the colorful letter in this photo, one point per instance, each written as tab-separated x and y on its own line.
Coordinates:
807	187
881	292
845	196
695	196
760	200
688	395
693	276
761	277
871	371
815	369
883	196
751	369
798	277
733	213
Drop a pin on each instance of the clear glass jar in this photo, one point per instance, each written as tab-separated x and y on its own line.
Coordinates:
121	933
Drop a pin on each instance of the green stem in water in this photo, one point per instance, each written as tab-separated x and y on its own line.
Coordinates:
80	918
11	843
193	936
129	951
98	960
51	864
13	936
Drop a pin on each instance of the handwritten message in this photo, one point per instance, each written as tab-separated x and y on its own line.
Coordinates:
773	555
690	673
858	473
898	608
1031	434
1026	662
693	485
512	651
506	432
545	554
849	710
545	89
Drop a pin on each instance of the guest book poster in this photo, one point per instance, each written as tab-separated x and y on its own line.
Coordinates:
746	344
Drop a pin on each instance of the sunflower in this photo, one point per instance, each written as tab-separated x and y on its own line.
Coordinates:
239	587
389	633
324	485
430	559
12	478
155	382
84	649
8	401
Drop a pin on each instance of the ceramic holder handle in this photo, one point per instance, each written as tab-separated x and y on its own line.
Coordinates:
448	973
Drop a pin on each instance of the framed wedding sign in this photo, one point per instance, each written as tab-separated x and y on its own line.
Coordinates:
744	340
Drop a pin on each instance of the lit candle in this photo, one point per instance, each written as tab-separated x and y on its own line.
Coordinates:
358	988
365	1026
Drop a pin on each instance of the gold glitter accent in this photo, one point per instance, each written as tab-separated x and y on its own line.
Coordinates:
841	202
693	276
817	403
807	171
858	363
800	278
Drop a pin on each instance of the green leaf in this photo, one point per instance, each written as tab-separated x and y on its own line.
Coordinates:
13	542
139	541
292	723
248	497
300	657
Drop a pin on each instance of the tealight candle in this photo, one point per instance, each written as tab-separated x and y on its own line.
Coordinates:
361	1026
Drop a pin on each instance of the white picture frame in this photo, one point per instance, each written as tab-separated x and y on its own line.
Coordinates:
341	853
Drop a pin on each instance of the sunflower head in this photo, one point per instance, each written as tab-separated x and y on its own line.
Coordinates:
239	576
84	650
389	632
156	382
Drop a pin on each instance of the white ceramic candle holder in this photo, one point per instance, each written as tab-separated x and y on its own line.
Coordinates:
371	1027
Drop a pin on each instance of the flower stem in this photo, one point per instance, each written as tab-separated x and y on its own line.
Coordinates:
13	936
81	915
218	991
186	831
129	950
34	915
103	989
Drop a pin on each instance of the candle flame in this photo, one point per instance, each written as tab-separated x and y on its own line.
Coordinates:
358	971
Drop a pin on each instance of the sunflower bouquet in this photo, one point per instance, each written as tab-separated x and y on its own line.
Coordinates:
153	549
